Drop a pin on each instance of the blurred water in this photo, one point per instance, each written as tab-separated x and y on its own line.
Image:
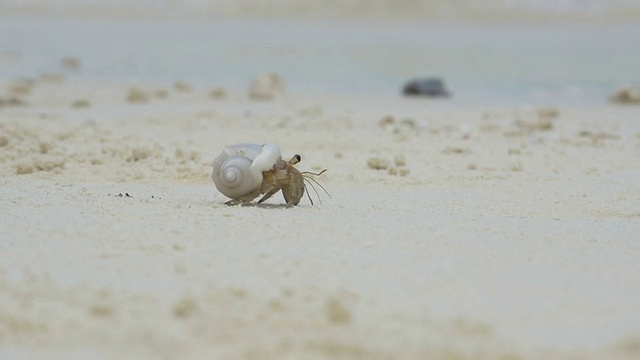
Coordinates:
555	64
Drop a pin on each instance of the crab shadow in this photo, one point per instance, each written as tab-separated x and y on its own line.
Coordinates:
262	206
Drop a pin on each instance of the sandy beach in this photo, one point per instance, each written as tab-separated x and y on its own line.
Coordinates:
455	228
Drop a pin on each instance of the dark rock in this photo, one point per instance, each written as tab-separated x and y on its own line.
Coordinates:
428	87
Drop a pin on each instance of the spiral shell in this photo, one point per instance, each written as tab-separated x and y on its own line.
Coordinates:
237	171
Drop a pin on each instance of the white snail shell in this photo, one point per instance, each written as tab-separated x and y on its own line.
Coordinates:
237	171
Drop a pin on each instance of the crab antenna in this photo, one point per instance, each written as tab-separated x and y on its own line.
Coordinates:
307	191
317	183
314	189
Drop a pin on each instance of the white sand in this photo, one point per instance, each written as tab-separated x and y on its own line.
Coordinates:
515	234
509	232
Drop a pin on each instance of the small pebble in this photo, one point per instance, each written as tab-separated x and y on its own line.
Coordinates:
137	95
377	163
217	93
81	103
182	86
70	63
267	87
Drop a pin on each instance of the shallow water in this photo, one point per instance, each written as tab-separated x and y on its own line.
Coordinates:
497	64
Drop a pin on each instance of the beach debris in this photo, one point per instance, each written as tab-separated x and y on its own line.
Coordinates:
126	195
186	307
386	122
267	87
182	86
21	87
12	101
140	153
42	162
626	96
377	163
51	78
399	171
242	172
81	103
86	145
101	310
217	93
598	137
527	123
427	87
512	167
137	95
548	113
402	127
456	150
541	124
183	156
161	94
70	63
310	112
337	312
515	167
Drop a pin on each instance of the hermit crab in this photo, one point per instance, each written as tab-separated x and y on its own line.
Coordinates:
243	172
